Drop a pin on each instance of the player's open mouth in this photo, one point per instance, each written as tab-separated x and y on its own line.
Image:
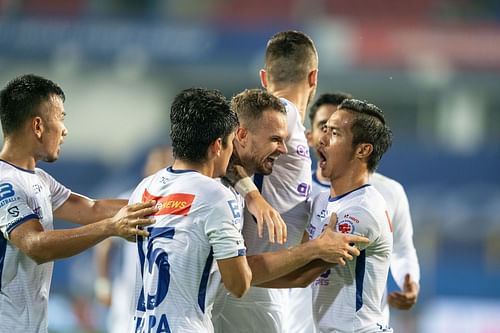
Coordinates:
322	158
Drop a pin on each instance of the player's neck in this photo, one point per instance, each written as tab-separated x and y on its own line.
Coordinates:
17	155
348	183
295	94
206	169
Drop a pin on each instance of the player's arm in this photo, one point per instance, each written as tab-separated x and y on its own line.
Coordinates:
82	210
236	275
329	248
47	245
222	228
404	261
301	277
256	204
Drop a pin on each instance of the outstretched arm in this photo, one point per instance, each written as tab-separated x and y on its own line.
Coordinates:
43	246
308	259
82	210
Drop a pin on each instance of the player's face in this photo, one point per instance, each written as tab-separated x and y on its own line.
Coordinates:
336	153
225	155
267	142
54	130
320	118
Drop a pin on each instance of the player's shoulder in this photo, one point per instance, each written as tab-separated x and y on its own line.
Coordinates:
11	175
290	108
386	185
320	200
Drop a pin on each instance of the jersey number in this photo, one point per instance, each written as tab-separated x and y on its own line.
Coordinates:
154	256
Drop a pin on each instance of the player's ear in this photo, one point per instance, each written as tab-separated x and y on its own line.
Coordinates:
364	150
312	78
241	136
37	126
263	78
216	147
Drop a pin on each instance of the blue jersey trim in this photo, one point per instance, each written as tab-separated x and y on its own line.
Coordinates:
258	180
141	304
21	221
172	170
360	276
3	251
242	252
18	168
202	292
317	181
332	199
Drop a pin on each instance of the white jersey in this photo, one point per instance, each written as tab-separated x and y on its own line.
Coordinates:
404	256
198	221
348	298
24	285
318	185
287	189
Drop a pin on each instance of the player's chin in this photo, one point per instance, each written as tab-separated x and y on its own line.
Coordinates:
51	158
325	172
267	167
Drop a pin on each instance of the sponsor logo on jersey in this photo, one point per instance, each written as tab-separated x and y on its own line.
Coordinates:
4	202
323	214
311	230
352	218
304	189
6	191
345	227
303	151
172	204
37	188
323	279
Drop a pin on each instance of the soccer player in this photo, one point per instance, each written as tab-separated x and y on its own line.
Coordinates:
198	221
404	261
348	298
32	116
259	143
290	73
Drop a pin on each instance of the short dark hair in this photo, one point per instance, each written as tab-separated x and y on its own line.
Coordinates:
198	117
251	103
334	98
369	127
21	98
290	56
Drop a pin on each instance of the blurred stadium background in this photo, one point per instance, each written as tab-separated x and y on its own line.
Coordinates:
432	65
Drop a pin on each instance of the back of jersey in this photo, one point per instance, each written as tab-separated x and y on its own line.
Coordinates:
198	221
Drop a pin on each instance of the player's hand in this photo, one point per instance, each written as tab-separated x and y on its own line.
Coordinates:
264	213
404	300
132	216
336	247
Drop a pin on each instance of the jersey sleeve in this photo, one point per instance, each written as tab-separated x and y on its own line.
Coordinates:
358	221
223	228
404	256
14	207
59	193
